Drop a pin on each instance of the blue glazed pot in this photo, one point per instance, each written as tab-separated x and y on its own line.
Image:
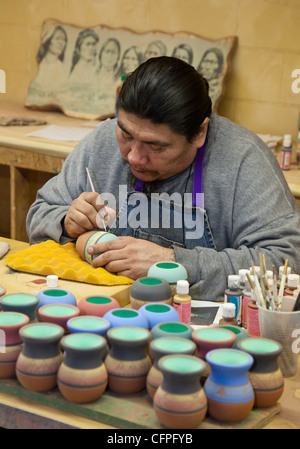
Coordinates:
55	296
172	329
21	303
159	313
126	317
88	324
229	392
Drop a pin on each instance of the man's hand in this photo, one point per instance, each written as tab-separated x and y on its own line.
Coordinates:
129	256
86	213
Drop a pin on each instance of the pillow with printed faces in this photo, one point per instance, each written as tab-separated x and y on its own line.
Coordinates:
79	69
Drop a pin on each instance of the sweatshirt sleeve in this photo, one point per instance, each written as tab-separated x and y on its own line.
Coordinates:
53	200
256	213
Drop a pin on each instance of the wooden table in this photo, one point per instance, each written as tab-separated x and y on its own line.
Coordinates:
21	409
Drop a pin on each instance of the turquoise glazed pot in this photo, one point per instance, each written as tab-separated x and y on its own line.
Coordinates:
126	317
180	402
20	302
11	343
170	271
172	329
265	375
229	392
40	358
58	314
82	377
148	290
97	305
240	333
88	324
127	363
159	313
55	296
160	347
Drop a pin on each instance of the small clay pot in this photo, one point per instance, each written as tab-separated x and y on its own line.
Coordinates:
97	305
91	238
58	314
127	363
124	316
55	296
20	302
82	377
38	363
88	324
228	390
149	289
161	347
158	312
170	271
240	332
11	343
180	401
172	329
265	375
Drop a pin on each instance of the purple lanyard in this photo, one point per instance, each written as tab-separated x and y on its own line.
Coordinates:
197	182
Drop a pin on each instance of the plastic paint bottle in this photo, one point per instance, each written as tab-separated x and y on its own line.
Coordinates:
234	294
228	314
292	284
286	152
182	302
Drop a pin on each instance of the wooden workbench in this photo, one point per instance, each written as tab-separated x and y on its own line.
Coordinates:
20	408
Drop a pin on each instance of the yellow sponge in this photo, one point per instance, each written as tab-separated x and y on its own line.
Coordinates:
62	260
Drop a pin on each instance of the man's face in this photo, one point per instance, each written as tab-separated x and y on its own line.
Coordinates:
154	151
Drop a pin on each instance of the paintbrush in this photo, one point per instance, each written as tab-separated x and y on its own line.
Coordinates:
282	284
275	287
256	287
93	189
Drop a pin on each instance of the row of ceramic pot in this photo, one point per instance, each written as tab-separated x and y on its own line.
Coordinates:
82	376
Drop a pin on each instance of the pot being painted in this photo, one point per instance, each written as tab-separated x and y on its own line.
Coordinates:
265	375
92	238
180	401
127	363
38	363
160	347
11	343
82	377
229	392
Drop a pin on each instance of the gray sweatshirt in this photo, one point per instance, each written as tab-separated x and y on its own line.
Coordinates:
249	205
